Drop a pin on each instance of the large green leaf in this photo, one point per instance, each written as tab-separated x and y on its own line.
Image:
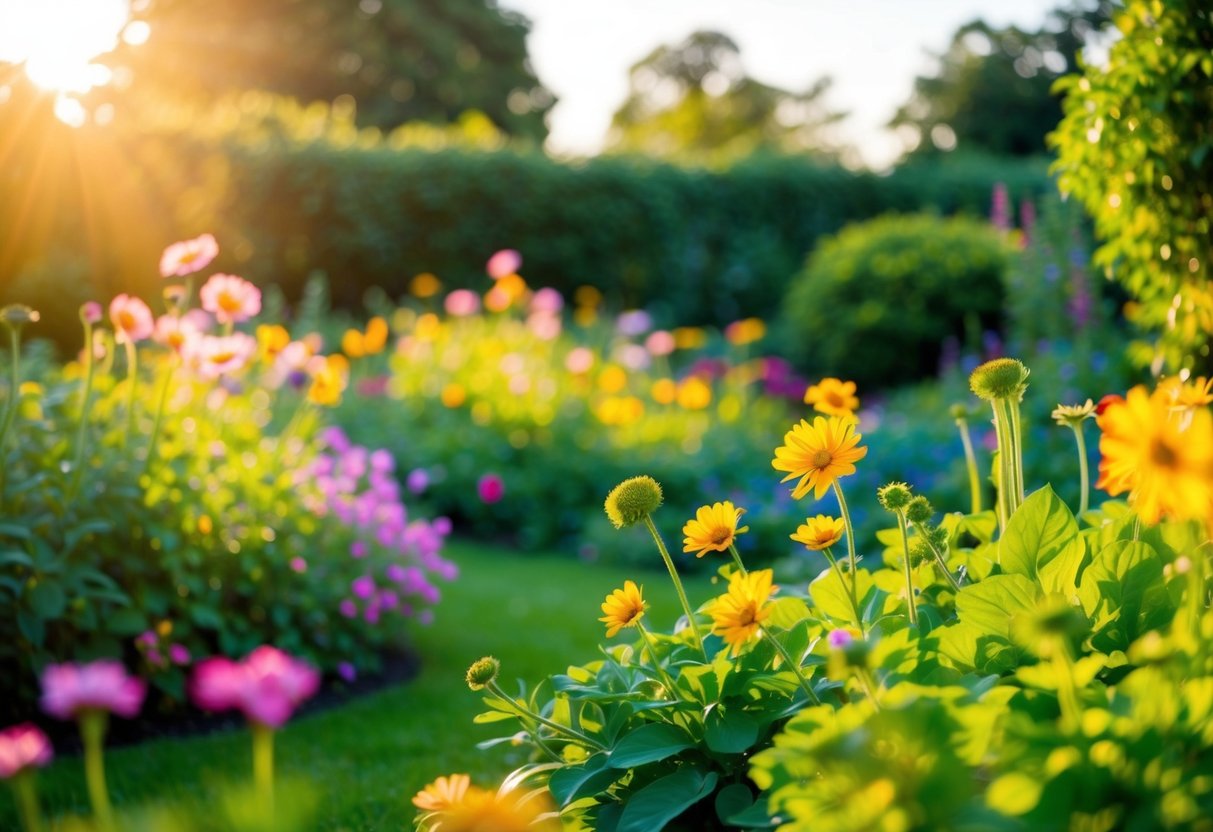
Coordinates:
575	782
731	731
831	594
990	605
658	803
1038	532
649	743
1124	594
1060	574
47	600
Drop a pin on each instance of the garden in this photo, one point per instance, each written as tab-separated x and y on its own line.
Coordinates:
365	465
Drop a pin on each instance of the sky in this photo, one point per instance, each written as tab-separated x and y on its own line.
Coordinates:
581	50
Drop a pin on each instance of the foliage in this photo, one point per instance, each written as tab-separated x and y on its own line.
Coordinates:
882	297
992	91
155	513
694	102
397	61
1036	671
1134	147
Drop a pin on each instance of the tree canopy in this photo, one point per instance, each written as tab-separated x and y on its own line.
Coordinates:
694	100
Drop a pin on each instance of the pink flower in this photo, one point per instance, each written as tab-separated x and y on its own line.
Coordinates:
267	686
491	488
229	298
177	333
418	480
188	256
547	300
299	565
23	746
660	342
179	654
68	689
461	303
363	587
90	313
840	639
506	261
132	319
218	354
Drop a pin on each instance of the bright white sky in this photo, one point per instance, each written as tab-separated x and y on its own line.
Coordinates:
581	50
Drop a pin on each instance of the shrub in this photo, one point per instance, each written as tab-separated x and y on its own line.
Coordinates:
881	297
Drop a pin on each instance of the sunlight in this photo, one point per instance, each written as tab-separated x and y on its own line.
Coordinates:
57	40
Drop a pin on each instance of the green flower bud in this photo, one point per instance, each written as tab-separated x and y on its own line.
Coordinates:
17	315
633	500
483	672
895	496
1002	378
919	510
959	412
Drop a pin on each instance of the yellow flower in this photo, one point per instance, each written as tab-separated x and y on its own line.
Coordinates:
478	810
737	615
664	390
1166	463
623	608
694	394
353	344
443	793
689	337
745	331
453	395
329	379
375	338
713	529
818	453
272	339
1195	393
425	285
1073	414
612	379
832	397
819	532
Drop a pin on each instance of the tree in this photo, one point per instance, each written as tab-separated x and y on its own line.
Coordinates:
993	88
1136	146
400	60
694	100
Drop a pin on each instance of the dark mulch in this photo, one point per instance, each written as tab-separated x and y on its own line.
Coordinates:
158	722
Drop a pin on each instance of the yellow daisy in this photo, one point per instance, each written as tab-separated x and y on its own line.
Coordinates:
833	397
713	530
819	454
1166	466
483	811
443	793
819	532
737	615
623	608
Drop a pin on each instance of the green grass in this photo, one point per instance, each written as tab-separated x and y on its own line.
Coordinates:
366	759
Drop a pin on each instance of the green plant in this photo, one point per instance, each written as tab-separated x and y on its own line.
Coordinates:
880	298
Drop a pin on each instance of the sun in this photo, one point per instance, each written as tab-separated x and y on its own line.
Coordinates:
56	41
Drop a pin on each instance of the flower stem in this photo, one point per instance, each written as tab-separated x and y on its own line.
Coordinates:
160	407
1083	471
1006	480
737	558
792	663
846	520
905	544
971	464
1012	405
263	767
865	682
939	559
14	394
850	587
132	369
682	595
527	713
86	396
27	802
661	671
93	724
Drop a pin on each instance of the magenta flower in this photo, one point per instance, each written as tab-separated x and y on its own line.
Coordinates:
90	313
132	319
69	689
215	355
461	303
23	746
188	256
418	480
840	639
179	654
506	261
229	298
363	587
267	686
491	488
347	671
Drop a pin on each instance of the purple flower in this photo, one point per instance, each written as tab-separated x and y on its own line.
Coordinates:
363	587
418	480
348	608
347	671
395	572
634	322
68	689
179	654
840	639
23	746
358	549
381	461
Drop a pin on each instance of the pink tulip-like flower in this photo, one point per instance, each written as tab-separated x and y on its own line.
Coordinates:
229	298
23	746
69	689
188	256
506	261
90	313
461	303
267	686
215	355
132	319
491	488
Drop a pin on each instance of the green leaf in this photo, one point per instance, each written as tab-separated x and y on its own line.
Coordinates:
1037	533
733	799
658	803
47	600
32	627
126	622
1014	794
1124	594
1061	573
575	782
832	597
649	743
990	605
731	732
15	556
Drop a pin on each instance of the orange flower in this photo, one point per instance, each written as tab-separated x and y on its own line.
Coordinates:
819	454
713	530
737	615
832	397
819	532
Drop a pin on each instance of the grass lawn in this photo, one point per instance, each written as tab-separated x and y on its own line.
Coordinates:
365	760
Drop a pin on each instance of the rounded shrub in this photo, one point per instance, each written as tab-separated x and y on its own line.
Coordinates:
877	301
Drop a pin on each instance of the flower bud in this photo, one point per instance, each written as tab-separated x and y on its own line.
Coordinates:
1002	378
90	313
483	672
632	501
895	496
919	510
17	315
